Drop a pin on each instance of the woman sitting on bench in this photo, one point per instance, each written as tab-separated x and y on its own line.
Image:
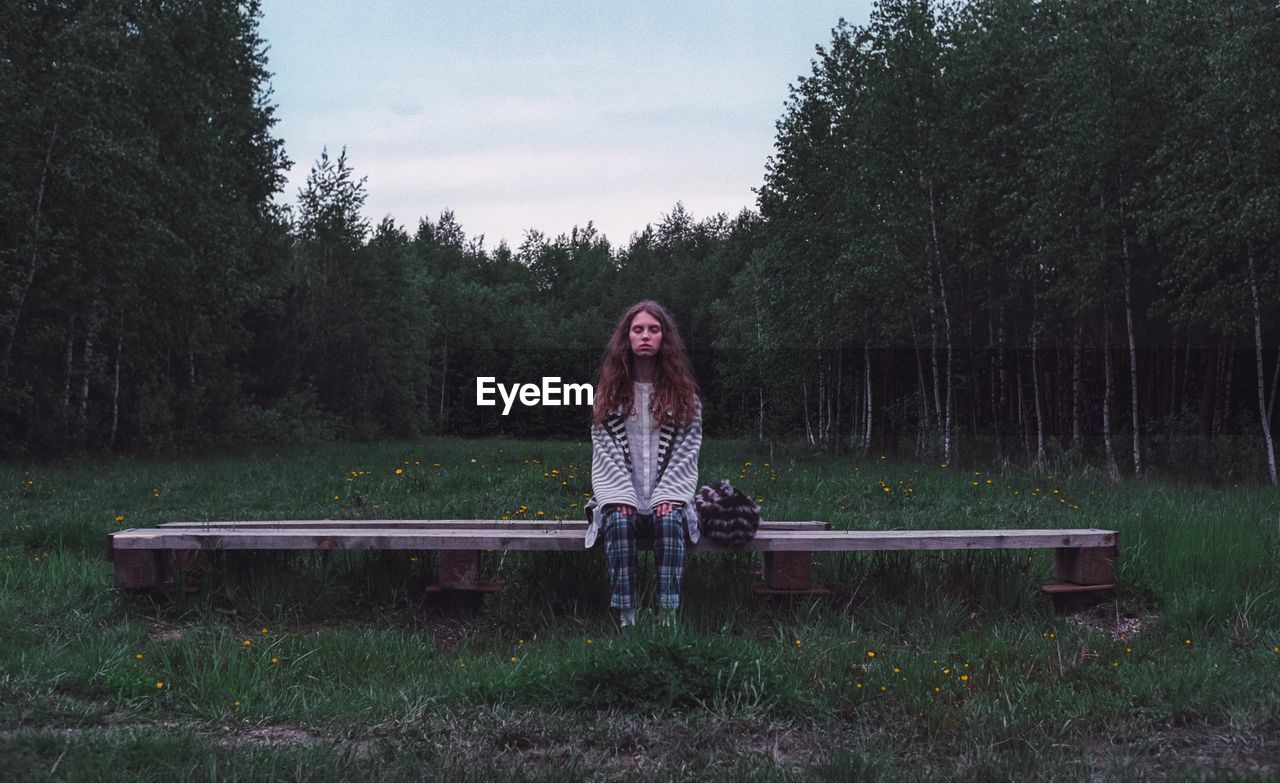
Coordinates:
646	433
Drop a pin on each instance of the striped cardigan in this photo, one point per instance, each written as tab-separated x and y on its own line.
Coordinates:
677	479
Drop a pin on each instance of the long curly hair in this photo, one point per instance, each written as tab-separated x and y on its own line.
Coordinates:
675	394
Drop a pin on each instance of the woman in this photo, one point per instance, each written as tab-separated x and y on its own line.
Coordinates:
646	432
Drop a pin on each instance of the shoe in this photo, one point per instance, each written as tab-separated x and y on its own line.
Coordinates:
667	618
626	619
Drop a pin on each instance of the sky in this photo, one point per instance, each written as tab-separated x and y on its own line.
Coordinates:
541	115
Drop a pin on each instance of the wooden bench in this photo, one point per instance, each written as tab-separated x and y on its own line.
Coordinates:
147	558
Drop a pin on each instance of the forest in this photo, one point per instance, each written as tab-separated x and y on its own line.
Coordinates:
1033	231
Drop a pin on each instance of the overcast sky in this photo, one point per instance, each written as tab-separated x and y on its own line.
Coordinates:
544	115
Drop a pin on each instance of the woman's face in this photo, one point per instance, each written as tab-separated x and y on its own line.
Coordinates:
646	335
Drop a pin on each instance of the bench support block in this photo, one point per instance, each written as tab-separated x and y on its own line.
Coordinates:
789	573
459	570
1085	566
157	569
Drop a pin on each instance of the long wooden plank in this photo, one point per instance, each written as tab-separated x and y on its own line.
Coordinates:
568	540
440	524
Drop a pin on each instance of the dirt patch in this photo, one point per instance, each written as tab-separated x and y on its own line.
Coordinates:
1106	619
164	632
1199	749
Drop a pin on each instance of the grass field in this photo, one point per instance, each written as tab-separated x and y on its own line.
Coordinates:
920	666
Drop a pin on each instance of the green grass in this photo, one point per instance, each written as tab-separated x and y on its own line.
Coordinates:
973	675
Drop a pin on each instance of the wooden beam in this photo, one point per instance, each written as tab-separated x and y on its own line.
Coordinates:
367	537
441	524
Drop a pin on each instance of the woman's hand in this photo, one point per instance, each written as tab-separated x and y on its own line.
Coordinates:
624	509
666	508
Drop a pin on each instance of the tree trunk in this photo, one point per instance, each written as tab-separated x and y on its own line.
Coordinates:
68	360
1257	349
924	394
1024	421
1077	387
1035	385
760	415
994	392
946	329
86	362
5	361
115	396
1133	345
444	381
804	396
1275	383
839	412
1113	469
866	433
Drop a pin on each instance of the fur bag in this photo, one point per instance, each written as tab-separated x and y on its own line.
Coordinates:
726	515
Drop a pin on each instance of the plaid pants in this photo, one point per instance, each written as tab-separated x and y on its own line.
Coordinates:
620	531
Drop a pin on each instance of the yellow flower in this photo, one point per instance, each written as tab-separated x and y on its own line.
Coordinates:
399	471
513	659
1128	650
799	643
896	670
119	517
964	678
247	643
946	671
435	464
159	685
137	656
520	641
859	685
937	690
236	704
337	497
1188	642
589	641
871	653
275	660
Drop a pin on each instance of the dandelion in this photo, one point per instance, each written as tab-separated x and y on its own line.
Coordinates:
236	704
399	471
159	685
937	690
1128	650
896	670
137	656
871	653
520	641
1052	635
799	643
413	558
119	517
248	643
1276	649
859	686
1188	642
337	497
946	672
513	659
884	689
435	464
275	660
943	466
589	641
264	630
964	678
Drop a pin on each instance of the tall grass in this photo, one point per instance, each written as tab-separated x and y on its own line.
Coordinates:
920	664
